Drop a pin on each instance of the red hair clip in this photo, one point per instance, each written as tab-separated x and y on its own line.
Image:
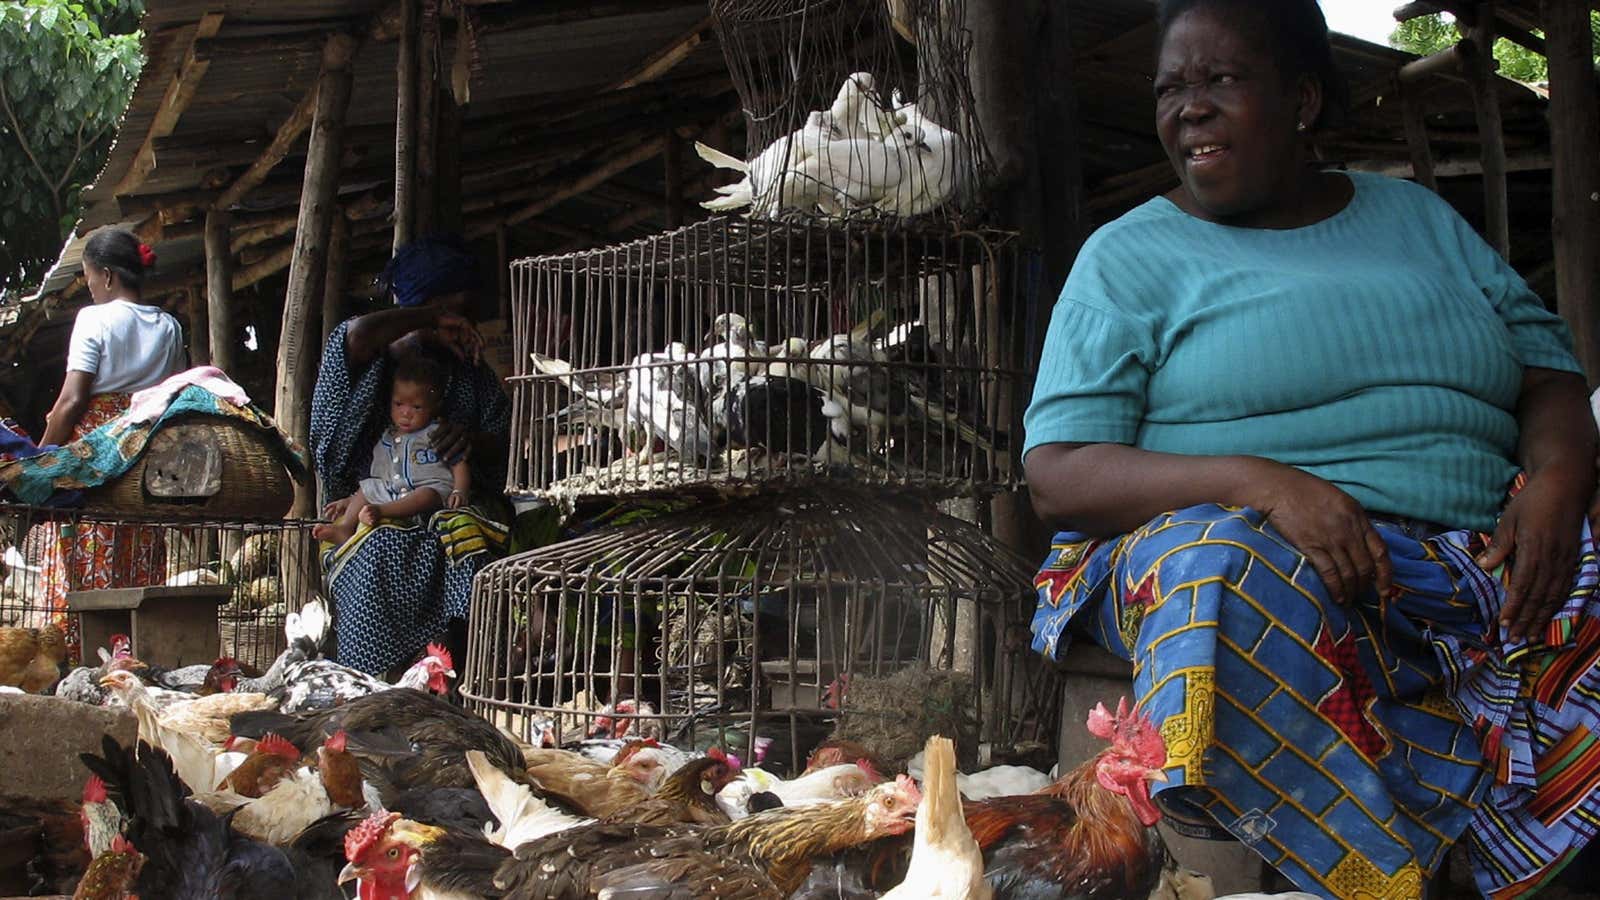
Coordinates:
147	257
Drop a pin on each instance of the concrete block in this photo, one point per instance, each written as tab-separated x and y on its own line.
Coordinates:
41	737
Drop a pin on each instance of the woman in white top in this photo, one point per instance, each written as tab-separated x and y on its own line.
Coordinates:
118	345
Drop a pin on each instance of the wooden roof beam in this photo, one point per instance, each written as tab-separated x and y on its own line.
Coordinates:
194	60
283	141
663	60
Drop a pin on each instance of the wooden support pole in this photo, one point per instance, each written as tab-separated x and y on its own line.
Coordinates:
1486	104
318	206
193	62
447	189
199	328
1415	115
426	201
1575	139
672	160
405	128
219	288
338	268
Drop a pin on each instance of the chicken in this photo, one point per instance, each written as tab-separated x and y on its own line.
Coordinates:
32	659
945	860
101	819
43	843
605	790
1093	830
272	760
83	683
391	857
189	851
197	761
321	683
521	816
688	796
220	676
203	717
996	781
425	735
606	750
341	774
113	874
838	751
297	797
763	856
816	786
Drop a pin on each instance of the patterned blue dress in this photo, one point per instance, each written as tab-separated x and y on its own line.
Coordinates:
396	588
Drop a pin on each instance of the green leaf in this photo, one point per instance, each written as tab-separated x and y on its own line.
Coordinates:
47	18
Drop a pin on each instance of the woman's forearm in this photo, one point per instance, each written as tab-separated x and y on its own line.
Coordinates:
1556	426
1107	489
70	405
368	335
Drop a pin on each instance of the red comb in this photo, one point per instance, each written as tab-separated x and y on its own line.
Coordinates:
94	790
120	844
1130	730
278	746
336	741
866	766
443	653
358	840
717	753
905	785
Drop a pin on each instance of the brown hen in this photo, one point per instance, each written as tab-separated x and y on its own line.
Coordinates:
32	658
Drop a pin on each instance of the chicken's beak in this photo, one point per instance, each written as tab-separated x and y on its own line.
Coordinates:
450	673
413	879
108	681
348	874
1156	775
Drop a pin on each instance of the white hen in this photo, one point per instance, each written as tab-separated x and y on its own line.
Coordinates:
946	863
522	816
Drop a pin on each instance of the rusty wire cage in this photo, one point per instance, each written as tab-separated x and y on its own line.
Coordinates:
767	617
49	552
736	353
854	108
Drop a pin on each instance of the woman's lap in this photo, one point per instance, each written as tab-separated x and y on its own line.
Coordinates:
1322	734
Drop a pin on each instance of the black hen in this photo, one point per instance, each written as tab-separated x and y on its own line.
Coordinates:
190	852
436	736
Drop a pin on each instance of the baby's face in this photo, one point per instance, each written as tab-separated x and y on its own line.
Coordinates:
411	406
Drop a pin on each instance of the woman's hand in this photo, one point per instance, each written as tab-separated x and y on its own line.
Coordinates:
452	441
333	511
460	336
1327	526
1541	526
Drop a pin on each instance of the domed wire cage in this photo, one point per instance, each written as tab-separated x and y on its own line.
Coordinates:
765	618
736	353
854	108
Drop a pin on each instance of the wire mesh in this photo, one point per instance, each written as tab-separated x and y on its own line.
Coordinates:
751	619
737	352
854	108
49	552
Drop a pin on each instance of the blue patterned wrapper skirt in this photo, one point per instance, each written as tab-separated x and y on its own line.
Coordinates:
1350	746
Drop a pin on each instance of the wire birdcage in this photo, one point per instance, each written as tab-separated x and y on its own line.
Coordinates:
737	353
853	108
761	618
49	552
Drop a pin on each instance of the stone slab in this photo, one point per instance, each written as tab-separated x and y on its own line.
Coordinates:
41	737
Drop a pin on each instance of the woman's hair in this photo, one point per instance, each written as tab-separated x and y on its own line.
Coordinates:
117	250
1293	31
424	372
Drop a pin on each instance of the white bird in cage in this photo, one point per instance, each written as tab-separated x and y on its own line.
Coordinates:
850	174
762	174
858	110
665	398
936	163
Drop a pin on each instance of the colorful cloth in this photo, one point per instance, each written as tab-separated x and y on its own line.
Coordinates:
86	556
114	443
394	589
151	402
1349	745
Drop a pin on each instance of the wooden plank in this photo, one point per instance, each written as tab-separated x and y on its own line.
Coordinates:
405	128
665	59
262	269
426	154
307	267
283	141
1415	116
180	92
1575	140
1486	105
338	269
219	289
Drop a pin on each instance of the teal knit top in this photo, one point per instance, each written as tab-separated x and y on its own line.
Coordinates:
1381	349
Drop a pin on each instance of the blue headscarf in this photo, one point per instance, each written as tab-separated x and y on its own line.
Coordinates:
430	266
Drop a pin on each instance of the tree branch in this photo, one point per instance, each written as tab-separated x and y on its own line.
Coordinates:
23	140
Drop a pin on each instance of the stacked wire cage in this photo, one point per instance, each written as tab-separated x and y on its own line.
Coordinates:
802	385
43	560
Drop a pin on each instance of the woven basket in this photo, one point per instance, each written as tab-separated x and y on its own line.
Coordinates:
254	481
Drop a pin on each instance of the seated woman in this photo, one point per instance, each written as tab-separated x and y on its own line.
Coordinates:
397	588
1278	413
118	346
